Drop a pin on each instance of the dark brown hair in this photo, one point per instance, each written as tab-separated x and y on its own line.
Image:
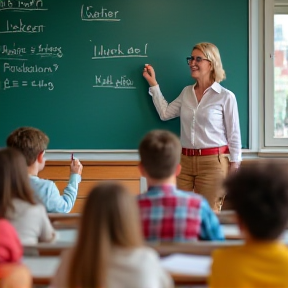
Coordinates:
110	218
160	153
259	194
14	180
30	141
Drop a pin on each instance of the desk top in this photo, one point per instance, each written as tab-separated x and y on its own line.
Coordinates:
43	268
231	231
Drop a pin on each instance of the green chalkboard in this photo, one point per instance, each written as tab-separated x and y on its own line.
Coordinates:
74	68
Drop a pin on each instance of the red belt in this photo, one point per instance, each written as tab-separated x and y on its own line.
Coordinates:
205	151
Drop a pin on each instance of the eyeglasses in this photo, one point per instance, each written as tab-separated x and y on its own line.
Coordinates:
198	59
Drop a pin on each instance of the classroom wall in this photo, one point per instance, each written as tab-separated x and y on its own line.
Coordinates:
94	172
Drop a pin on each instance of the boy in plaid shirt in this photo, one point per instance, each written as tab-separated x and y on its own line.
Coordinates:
169	214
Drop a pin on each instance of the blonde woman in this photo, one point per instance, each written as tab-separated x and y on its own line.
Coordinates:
209	124
109	251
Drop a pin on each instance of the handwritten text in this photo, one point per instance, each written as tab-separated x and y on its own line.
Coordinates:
89	14
22	28
101	52
24	68
108	82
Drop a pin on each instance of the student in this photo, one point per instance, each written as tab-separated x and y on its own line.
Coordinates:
32	143
17	203
109	251
169	214
259	195
12	273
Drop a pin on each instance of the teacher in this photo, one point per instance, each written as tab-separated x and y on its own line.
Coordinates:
209	124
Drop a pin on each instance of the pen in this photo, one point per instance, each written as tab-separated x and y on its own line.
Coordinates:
72	156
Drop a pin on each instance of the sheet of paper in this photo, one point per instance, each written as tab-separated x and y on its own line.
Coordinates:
187	264
66	235
41	266
230	230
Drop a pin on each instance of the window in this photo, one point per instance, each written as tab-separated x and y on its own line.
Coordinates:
276	73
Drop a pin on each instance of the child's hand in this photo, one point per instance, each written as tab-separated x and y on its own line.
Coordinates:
76	167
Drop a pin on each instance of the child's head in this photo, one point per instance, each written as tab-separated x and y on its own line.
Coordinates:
14	181
30	141
109	219
259	194
160	153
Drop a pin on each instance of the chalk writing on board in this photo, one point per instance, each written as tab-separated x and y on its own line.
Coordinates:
102	52
15	52
9	84
122	82
21	28
31	5
24	68
88	13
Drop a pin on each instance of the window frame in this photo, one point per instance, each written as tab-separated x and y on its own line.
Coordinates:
270	9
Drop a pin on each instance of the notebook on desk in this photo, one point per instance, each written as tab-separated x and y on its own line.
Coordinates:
192	265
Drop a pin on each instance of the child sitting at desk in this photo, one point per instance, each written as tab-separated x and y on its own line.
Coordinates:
32	143
12	273
109	251
259	195
17	203
167	213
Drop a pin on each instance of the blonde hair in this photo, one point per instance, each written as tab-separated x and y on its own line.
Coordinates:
211	52
110	219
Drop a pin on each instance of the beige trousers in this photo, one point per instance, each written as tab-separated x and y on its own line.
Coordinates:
204	175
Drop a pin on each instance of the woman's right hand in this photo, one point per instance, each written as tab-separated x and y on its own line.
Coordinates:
149	75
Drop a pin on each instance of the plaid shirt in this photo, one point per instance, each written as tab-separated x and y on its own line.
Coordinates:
168	214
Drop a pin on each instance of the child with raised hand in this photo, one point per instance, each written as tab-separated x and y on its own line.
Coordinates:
32	143
109	251
17	201
259	196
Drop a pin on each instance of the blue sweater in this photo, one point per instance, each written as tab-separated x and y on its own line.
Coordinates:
47	192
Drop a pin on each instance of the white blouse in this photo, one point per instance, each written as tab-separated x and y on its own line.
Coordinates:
127	268
213	122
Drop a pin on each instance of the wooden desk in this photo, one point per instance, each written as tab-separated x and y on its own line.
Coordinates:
195	248
67	220
71	220
231	232
43	269
227	217
63	216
